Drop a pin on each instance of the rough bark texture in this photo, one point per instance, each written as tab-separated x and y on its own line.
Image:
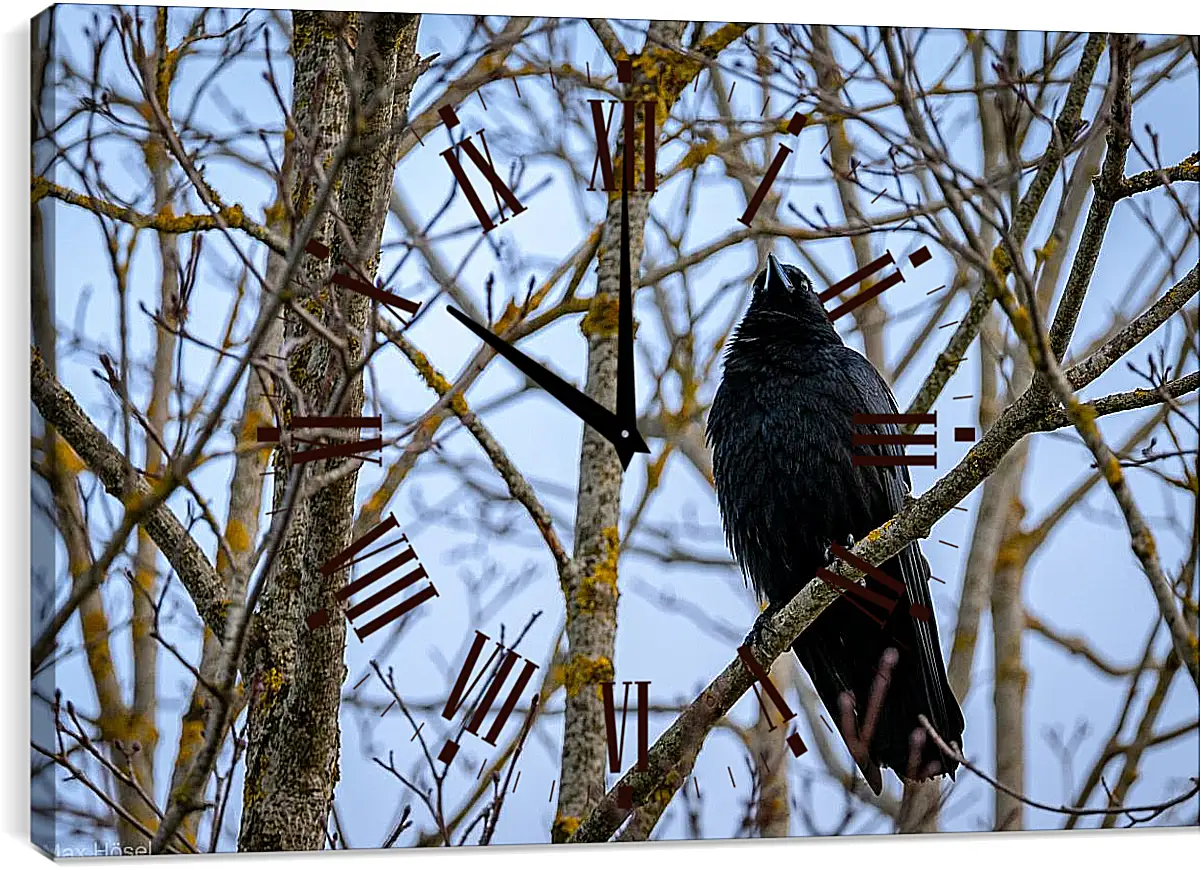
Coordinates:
1009	683
592	593
297	675
771	758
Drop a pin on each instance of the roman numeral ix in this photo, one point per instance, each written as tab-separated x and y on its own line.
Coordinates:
355	553
483	162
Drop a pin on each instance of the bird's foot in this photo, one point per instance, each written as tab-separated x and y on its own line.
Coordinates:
755	636
828	553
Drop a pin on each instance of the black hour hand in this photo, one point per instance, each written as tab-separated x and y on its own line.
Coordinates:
622	435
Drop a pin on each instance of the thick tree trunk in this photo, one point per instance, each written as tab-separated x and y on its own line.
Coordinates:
296	675
592	600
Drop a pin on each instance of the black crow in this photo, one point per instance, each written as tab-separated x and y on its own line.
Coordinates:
780	428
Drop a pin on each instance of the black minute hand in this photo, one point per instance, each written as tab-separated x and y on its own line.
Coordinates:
623	436
625	324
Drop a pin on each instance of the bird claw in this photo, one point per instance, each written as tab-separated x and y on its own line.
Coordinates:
828	553
755	636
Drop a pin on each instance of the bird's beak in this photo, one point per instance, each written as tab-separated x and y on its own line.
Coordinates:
775	274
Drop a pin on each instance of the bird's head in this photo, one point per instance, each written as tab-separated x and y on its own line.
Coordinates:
784	305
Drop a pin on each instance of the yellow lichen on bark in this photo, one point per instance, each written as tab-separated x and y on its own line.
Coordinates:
600	585
602	317
581	671
564	827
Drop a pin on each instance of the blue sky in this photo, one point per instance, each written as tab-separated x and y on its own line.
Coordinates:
1084	581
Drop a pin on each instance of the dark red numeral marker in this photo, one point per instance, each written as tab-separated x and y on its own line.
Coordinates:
917	258
484	163
875	439
615	742
461	690
794	741
600	127
887	603
794	127
351	555
363	287
273	434
965	433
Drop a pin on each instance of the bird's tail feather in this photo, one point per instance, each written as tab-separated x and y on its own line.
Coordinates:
843	653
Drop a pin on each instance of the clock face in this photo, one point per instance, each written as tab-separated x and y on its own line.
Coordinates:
672	411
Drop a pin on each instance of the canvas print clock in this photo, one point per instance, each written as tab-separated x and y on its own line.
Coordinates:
458	430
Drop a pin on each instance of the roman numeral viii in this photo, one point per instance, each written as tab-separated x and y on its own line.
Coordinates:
355	553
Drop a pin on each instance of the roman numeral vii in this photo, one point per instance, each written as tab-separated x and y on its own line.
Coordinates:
461	690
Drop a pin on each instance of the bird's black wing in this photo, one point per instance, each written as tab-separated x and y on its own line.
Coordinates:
890	485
